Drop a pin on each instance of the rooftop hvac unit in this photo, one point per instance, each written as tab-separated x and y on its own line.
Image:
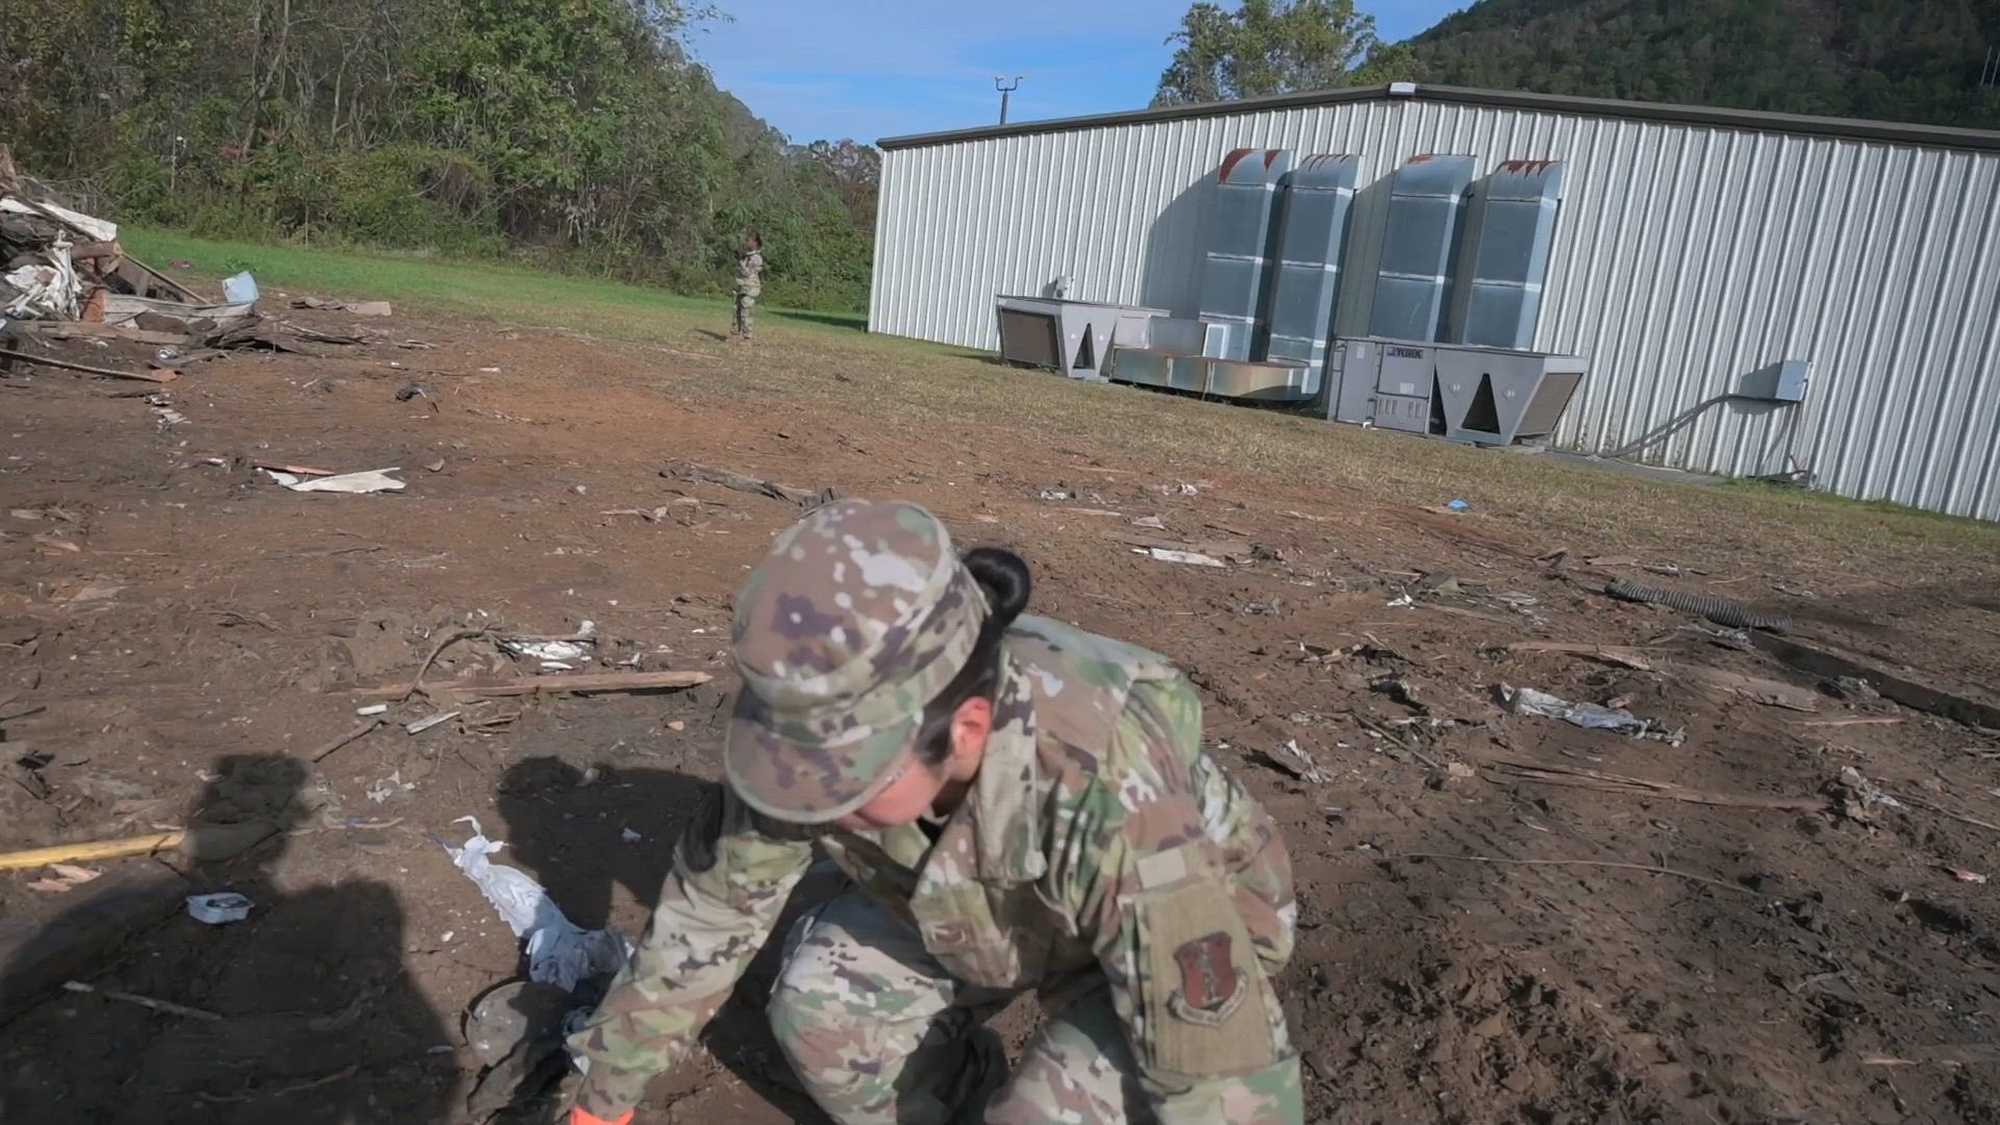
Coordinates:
1073	337
1426	197
1483	396
1233	274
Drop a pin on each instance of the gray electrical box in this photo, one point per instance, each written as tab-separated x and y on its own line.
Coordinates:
1779	382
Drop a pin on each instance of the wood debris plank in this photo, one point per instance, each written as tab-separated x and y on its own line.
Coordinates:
586	684
1910	693
77	329
86	369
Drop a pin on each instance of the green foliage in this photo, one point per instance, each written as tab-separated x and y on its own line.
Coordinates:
1886	59
575	134
1265	47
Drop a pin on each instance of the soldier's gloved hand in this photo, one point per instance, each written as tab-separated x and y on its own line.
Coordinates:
582	1116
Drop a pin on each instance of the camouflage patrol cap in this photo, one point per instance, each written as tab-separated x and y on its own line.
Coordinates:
859	616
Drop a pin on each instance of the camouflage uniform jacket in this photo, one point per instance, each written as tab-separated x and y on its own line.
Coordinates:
750	274
1099	841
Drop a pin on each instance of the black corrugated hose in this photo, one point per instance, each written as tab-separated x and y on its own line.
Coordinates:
1715	609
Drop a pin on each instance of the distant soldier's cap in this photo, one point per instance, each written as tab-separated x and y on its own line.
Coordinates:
858	618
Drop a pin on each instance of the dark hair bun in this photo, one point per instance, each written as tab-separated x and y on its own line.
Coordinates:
1005	578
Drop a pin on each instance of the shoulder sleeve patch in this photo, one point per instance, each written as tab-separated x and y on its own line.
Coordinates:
1163	869
1208	1011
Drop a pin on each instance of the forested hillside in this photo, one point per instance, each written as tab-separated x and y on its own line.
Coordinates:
576	133
1900	60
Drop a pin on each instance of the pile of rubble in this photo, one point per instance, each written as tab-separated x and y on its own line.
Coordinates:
64	276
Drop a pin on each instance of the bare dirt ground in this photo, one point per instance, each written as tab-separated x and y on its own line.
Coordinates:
1743	938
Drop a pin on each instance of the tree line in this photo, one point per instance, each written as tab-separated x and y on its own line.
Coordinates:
1923	61
574	134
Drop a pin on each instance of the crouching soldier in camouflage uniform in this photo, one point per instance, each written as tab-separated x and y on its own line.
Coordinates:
749	286
1019	804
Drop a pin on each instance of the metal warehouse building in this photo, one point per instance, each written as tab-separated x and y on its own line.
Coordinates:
1692	248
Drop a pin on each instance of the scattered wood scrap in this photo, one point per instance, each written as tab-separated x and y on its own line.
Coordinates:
590	684
1771	693
1620	656
166	1006
1615	865
86	369
1236	550
1601	782
1910	693
702	474
79	329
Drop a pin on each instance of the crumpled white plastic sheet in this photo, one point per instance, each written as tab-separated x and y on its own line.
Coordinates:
1590	716
559	951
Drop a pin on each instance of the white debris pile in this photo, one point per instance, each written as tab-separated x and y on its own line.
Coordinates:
48	290
559	951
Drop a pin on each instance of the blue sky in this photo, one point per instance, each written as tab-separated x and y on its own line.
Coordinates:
867	69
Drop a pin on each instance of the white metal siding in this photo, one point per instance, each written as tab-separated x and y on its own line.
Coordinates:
1686	255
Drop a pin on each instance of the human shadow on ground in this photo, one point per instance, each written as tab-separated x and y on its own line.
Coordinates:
310	1018
574	831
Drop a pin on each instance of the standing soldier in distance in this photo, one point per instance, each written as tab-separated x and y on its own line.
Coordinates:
1019	804
749	286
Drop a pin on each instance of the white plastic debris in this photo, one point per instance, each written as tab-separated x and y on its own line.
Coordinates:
239	289
1591	716
630	836
429	721
1188	558
1866	791
372	709
50	290
548	650
559	951
218	909
1404	602
374	480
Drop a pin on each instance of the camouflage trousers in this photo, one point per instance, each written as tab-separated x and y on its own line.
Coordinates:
746	314
880	1034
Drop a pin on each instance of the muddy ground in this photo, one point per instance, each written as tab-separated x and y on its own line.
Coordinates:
1741	938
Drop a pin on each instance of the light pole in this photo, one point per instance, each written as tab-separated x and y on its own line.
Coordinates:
1006	92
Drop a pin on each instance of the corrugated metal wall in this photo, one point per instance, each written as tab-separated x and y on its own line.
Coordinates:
1685	257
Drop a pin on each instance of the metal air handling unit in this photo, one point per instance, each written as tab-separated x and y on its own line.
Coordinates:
1312	236
1497	300
1236	270
1250	305
1481	396
1426	202
1073	337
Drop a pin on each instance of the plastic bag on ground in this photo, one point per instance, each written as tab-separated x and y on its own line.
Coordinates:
1590	716
559	951
240	289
